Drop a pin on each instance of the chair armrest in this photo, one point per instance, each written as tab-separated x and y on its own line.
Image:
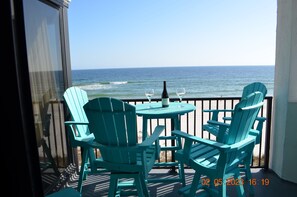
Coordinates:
167	137
68	123
87	137
192	139
221	131
262	119
254	132
239	145
215	112
154	137
218	110
131	149
227	118
185	153
218	123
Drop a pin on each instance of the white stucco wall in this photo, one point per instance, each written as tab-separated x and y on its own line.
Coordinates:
283	152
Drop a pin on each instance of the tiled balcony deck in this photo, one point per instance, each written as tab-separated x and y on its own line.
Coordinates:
97	185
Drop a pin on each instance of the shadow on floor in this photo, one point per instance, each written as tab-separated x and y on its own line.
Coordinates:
266	183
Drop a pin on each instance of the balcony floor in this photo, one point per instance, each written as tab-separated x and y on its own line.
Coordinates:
97	185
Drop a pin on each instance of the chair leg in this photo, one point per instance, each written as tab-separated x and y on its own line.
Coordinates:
92	158
181	171
194	185
212	186
140	187
82	170
113	185
248	178
239	187
222	188
144	185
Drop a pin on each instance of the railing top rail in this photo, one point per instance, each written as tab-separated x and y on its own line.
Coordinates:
190	98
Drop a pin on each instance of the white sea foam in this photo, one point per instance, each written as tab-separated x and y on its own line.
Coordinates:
118	82
95	86
101	86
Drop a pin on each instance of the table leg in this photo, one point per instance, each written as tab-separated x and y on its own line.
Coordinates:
175	124
144	128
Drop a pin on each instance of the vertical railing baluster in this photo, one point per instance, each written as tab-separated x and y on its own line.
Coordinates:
195	119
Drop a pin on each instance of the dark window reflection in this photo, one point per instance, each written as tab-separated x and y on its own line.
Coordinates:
47	83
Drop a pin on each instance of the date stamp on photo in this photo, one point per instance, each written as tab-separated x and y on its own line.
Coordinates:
235	182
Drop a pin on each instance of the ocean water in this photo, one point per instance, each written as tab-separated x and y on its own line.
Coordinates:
204	81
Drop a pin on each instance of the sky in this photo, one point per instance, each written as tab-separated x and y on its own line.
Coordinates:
150	33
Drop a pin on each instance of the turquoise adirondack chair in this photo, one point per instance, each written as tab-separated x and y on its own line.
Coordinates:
65	192
113	122
211	125
79	133
219	161
213	128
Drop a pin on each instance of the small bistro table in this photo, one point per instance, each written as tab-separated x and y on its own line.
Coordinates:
174	112
156	111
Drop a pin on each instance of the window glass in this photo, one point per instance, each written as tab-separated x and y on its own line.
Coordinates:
42	24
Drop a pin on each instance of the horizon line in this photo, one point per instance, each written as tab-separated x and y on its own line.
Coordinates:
131	67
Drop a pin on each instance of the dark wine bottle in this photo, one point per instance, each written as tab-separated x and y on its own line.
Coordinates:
165	97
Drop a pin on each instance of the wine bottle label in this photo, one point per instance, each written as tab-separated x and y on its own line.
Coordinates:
165	102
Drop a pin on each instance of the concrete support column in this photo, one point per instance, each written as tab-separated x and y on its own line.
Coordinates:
283	152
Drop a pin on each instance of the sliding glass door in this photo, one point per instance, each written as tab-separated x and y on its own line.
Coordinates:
45	58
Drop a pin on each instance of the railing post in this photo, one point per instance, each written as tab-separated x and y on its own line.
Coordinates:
268	131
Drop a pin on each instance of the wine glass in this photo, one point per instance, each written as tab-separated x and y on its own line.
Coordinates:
180	92
149	93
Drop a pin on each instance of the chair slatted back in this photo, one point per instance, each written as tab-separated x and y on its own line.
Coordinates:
254	87
113	122
245	113
75	99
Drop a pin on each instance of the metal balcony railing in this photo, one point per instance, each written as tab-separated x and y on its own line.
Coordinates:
191	123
